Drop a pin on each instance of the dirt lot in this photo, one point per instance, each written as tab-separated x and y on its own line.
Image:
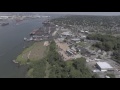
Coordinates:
62	49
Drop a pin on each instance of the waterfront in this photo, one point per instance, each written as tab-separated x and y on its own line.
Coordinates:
11	45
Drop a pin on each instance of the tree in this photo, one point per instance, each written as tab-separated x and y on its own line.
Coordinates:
75	73
111	75
79	63
95	76
109	46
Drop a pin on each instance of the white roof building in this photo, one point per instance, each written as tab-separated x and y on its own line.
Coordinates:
82	31
104	66
66	33
75	39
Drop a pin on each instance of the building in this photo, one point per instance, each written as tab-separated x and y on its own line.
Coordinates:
82	31
61	39
63	29
69	52
84	52
83	36
74	49
104	66
66	34
75	40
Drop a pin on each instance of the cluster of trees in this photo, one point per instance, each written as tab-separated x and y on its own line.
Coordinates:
116	56
38	69
111	75
77	69
59	68
108	42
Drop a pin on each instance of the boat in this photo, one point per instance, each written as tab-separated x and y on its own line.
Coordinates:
25	38
4	24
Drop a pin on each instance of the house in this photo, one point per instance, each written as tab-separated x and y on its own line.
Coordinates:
75	40
83	36
82	31
66	34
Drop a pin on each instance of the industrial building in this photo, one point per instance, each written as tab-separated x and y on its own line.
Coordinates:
66	34
104	66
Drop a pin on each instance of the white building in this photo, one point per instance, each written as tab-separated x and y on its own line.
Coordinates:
66	34
104	66
4	17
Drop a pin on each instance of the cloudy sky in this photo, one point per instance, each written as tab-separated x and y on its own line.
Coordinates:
87	13
75	13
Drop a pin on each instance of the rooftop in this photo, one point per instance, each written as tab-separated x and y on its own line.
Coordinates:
66	33
104	65
75	39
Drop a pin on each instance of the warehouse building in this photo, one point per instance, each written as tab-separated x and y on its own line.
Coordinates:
104	66
66	34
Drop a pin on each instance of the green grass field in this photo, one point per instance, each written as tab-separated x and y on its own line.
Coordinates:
47	71
32	53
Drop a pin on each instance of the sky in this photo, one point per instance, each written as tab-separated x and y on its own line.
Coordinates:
75	13
87	13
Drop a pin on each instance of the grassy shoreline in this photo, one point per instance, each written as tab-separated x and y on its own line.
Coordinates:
32	53
36	52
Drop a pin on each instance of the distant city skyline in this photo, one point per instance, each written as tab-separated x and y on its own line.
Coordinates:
71	13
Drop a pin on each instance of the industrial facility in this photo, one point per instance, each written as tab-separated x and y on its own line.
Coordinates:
104	66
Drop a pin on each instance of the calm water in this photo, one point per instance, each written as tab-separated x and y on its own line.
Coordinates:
11	45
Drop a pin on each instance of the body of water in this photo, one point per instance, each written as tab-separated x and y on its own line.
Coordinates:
11	45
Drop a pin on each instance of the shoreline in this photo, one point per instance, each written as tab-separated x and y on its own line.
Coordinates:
14	61
32	53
